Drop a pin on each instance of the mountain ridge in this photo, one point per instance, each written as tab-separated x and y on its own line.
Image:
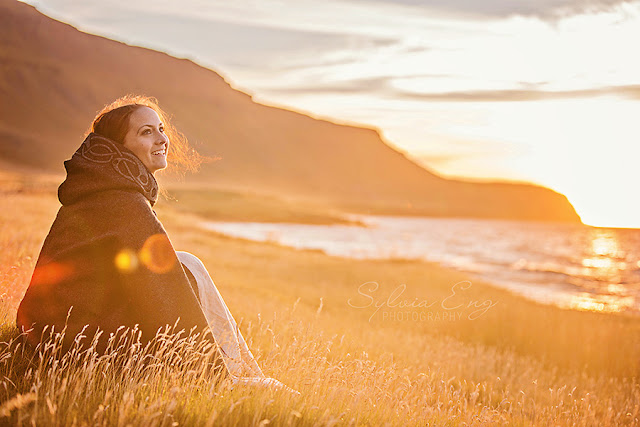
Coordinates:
54	78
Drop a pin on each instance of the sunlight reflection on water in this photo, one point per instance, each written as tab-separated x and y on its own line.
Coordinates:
570	265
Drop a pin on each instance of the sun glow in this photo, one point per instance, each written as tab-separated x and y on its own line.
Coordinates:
378	63
582	148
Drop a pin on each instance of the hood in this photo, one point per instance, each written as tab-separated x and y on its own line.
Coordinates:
101	164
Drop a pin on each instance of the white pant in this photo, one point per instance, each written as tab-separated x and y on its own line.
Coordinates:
233	347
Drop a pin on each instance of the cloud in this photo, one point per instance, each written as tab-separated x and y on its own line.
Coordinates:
630	92
353	86
217	39
544	9
381	86
343	55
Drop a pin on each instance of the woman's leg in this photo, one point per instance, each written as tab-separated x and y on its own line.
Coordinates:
234	349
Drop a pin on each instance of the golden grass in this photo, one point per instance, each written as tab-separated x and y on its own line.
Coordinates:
519	363
236	205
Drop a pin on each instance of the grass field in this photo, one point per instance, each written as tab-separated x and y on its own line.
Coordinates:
227	205
486	357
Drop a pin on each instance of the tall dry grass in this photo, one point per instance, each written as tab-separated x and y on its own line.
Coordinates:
518	364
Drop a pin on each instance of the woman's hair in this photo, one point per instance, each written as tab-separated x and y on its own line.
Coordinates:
113	122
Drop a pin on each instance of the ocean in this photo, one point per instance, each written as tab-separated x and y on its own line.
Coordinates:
573	266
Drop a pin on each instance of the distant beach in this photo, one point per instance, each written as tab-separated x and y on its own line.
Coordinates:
302	311
572	266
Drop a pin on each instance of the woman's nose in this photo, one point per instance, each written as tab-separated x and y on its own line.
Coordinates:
162	138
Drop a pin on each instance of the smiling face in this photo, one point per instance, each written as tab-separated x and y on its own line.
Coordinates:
146	139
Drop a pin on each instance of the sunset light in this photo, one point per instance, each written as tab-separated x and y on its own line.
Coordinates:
328	213
546	95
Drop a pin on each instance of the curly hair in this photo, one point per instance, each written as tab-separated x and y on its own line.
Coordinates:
113	122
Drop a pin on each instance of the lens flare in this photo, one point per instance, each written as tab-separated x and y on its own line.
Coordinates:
157	254
126	261
52	273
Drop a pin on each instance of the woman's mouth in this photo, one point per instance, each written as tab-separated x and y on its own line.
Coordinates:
160	152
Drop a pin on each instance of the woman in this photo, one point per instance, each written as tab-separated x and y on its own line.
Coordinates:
107	261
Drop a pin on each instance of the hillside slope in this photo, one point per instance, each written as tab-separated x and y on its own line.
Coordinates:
53	79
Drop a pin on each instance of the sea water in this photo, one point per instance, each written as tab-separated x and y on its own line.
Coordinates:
570	265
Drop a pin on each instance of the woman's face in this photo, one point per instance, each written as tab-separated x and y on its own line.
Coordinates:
146	139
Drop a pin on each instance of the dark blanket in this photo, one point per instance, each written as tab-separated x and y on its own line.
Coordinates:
107	257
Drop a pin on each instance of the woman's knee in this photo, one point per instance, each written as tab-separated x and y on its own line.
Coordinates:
188	258
192	262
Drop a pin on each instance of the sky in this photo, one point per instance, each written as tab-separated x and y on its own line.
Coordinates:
544	91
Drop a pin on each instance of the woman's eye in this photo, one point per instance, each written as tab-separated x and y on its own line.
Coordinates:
162	130
146	131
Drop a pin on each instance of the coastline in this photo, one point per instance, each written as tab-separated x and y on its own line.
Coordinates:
515	322
436	240
293	306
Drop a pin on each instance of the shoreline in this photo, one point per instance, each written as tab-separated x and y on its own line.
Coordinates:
300	311
509	324
276	276
43	184
547	293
